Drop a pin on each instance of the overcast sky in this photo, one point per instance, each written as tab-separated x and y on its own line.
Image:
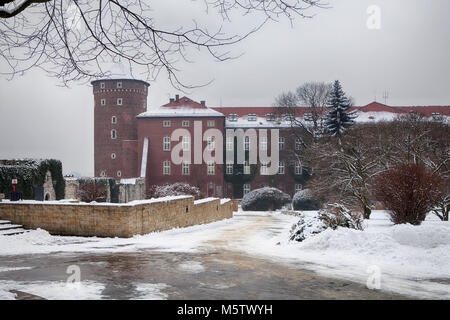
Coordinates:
409	57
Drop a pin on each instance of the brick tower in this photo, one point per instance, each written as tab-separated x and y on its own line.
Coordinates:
117	102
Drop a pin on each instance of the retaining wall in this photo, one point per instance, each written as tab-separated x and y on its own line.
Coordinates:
115	220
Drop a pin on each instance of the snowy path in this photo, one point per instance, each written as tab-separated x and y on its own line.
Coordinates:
244	257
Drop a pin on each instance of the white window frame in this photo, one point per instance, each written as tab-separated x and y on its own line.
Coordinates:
246	167
113	134
298	144
185	170
185	123
211	123
119	85
166	168
263	144
229	168
113	119
246	188
211	143
113	155
186	143
281	167
167	123
298	168
298	187
166	144
281	141
246	143
263	168
103	173
119	173
211	168
230	143
103	102
102	85
120	101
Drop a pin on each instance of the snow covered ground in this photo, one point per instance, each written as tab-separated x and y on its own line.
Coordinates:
413	260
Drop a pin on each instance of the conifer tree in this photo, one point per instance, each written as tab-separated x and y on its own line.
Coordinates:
338	118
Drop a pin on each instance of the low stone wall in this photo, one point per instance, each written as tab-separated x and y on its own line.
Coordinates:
115	220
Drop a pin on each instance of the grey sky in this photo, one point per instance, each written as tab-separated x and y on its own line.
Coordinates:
409	57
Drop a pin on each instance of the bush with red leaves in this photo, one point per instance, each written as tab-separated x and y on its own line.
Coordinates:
409	192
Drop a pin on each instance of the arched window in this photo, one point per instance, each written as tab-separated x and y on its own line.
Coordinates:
113	119
113	134
119	173
113	155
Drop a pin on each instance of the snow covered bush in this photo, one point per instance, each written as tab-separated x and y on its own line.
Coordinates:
304	200
92	191
409	192
264	199
334	216
175	189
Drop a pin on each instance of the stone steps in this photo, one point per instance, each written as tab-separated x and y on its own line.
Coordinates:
9	229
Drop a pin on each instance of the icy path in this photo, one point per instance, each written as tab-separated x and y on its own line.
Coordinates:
238	249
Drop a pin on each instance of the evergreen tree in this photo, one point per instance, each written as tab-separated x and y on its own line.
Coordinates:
338	118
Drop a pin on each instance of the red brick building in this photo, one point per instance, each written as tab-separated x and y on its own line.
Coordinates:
133	141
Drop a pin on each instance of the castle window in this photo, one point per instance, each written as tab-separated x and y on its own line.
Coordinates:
113	134
103	173
113	119
298	187
251	117
119	101
263	168
246	167
113	155
185	123
119	85
166	167
246	188
211	168
166	144
186	143
211	143
263	143
298	168
247	143
281	167
298	144
229	168
230	143
211	123
185	169
102	85
166	123
119	173
281	143
103	102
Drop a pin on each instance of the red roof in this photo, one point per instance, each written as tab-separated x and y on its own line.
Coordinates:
184	102
371	107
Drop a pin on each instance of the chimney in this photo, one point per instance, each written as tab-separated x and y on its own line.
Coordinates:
177	97
172	99
203	102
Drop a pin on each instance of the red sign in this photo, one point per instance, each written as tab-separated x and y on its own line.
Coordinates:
14	181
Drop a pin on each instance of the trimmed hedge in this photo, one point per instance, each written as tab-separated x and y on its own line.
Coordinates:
265	199
30	173
304	200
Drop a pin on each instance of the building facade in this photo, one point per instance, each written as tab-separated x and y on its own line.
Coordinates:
180	141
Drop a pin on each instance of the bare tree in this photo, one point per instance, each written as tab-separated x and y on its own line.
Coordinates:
74	39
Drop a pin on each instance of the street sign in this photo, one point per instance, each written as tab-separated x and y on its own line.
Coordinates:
14	181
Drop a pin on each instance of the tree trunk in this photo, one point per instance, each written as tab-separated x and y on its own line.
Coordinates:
367	212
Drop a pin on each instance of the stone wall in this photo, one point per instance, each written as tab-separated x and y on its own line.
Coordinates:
131	189
115	220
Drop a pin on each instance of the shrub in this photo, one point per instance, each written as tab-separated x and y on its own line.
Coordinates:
409	192
176	189
304	200
264	199
92	191
334	216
